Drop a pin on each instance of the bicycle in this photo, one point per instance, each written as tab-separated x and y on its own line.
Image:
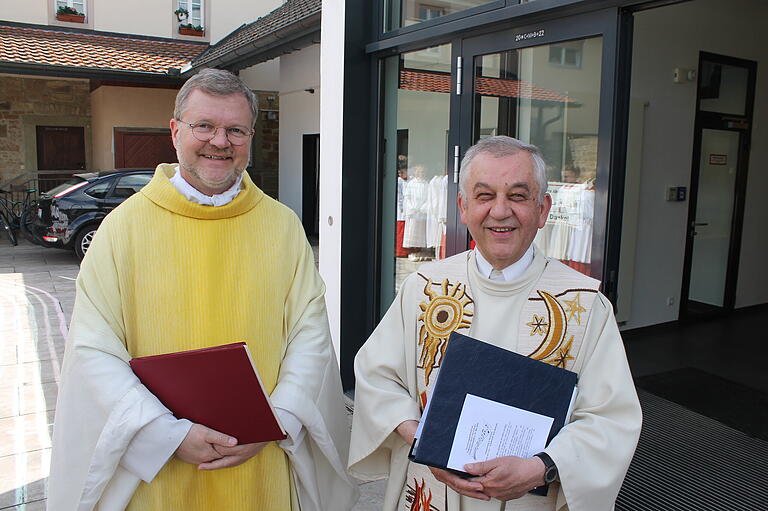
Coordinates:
18	215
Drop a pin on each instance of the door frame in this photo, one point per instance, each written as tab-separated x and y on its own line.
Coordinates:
611	25
725	122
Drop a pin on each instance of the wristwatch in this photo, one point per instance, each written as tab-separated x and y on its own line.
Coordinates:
550	469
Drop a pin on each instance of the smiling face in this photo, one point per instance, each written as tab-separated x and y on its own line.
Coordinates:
211	167
501	209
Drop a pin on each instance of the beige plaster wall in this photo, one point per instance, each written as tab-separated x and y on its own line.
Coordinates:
125	107
230	14
145	17
30	11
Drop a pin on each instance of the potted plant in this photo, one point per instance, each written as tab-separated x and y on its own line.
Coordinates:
189	29
181	14
69	14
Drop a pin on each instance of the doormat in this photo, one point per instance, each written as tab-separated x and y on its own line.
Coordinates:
731	403
685	461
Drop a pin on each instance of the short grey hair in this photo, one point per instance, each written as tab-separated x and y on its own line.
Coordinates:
499	147
216	82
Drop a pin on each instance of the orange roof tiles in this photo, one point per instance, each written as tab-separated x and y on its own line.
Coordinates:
431	81
26	45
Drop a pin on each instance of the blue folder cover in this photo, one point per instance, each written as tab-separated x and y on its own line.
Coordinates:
475	367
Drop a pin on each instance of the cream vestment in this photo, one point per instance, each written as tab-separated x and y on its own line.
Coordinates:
551	313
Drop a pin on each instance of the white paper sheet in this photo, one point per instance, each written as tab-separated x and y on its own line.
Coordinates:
488	429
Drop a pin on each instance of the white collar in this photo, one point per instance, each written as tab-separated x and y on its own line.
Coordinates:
511	272
192	194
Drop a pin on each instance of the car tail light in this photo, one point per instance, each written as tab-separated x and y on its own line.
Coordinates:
50	239
70	189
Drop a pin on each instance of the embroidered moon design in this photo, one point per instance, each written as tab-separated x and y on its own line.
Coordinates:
556	329
446	311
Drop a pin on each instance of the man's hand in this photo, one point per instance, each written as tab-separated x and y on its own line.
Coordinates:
406	430
468	487
209	449
233	456
509	477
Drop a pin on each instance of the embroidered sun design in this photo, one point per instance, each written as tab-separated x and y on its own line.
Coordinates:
538	325
575	309
447	310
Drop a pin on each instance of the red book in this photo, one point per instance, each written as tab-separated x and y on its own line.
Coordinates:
217	387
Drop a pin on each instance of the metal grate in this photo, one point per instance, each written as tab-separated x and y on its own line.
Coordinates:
686	461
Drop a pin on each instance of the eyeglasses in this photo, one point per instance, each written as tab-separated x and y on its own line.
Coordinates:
205	132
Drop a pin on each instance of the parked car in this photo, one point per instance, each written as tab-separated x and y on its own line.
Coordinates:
69	215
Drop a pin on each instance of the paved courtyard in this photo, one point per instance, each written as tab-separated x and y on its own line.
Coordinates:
37	293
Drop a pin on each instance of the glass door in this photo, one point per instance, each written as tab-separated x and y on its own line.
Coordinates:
546	85
550	84
726	94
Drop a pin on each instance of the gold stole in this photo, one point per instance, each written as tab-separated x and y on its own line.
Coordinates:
552	326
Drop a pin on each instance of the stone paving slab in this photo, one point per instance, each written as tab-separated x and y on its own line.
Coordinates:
33	322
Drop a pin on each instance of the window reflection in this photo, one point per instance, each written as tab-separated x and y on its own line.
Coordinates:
403	13
417	88
549	96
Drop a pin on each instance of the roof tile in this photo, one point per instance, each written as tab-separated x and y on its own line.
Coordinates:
290	12
27	45
431	81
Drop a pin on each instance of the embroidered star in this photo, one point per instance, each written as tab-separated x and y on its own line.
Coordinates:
563	355
575	308
537	325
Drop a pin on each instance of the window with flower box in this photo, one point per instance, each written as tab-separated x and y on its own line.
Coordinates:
190	16
72	11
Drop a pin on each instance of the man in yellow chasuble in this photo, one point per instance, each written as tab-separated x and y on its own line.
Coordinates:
505	292
199	257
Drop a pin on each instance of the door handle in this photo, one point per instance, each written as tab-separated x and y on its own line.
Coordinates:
697	224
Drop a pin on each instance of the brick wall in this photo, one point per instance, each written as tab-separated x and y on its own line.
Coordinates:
34	96
265	155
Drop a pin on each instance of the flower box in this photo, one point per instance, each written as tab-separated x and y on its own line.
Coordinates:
71	18
191	31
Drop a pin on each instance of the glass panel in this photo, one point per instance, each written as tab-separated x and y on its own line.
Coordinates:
128	185
549	96
195	13
417	88
714	211
99	190
723	88
403	13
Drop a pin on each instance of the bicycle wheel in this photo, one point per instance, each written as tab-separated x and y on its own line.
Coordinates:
8	231
26	221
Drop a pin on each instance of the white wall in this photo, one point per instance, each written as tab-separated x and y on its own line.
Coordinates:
331	145
668	38
299	115
264	76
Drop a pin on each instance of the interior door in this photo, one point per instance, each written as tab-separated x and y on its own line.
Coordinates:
551	85
725	102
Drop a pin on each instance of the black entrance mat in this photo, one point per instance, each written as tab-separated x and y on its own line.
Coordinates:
733	404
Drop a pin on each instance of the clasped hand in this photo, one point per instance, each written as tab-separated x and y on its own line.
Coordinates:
211	450
504	478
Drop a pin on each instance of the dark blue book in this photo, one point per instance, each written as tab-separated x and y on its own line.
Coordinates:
475	367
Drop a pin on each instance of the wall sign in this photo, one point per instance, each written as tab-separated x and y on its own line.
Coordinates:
529	35
718	159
